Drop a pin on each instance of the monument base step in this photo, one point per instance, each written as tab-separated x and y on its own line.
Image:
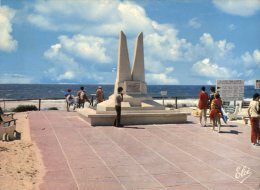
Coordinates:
134	118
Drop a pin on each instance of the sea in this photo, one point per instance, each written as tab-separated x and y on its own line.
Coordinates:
55	91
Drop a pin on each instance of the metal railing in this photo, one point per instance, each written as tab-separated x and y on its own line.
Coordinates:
39	101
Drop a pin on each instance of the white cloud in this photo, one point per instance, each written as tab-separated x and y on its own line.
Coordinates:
111	16
96	41
161	78
68	75
87	47
209	82
7	43
16	79
209	47
194	23
208	69
256	55
206	39
238	7
253	58
65	67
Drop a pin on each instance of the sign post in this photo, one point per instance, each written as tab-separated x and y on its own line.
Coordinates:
163	94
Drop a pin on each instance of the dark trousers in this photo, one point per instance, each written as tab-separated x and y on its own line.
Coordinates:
118	116
81	103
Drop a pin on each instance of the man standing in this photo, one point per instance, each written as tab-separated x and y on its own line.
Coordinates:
203	105
118	100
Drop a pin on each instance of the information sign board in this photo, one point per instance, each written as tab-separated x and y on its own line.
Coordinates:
231	90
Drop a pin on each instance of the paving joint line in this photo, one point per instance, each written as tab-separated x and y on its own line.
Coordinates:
215	152
167	160
84	139
63	152
200	159
135	161
231	147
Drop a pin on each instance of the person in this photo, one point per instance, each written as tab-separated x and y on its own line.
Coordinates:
254	116
69	99
99	95
118	100
215	113
203	105
82	97
211	95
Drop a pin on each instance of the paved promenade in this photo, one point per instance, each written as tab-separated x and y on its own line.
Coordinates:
144	157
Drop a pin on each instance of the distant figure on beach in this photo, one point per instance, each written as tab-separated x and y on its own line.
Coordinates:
215	112
82	97
69	99
211	95
254	115
99	95
118	100
203	105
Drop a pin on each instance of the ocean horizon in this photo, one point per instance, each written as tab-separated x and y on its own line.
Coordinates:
49	91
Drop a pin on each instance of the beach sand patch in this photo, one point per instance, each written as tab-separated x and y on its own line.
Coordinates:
21	165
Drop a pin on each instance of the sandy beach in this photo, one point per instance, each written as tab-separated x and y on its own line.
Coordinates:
21	166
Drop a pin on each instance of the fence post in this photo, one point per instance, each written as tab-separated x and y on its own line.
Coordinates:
39	104
176	103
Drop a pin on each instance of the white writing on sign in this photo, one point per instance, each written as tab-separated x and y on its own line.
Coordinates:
231	90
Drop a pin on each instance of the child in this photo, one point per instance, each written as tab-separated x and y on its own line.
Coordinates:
215	113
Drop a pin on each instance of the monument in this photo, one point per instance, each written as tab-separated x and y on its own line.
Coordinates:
137	106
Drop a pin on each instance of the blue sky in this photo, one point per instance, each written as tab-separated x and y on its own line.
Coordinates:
76	41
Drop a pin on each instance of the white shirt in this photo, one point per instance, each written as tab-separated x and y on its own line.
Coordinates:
254	108
118	99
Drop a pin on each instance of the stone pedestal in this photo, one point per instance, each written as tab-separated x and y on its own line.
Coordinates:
137	106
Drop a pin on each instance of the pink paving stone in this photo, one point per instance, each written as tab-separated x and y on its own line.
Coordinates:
161	168
193	186
139	182
58	185
82	174
128	170
119	161
101	184
174	179
85	163
152	157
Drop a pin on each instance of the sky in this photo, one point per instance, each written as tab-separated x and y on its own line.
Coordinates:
186	42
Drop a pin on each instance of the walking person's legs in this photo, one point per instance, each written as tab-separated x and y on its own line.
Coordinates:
254	130
205	116
200	114
213	124
219	124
